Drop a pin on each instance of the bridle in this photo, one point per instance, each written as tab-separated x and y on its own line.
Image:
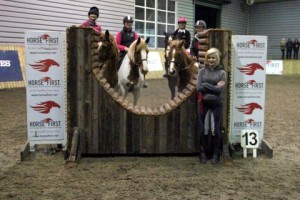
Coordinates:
139	63
177	65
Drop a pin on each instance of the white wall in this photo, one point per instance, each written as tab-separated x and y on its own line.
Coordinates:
18	16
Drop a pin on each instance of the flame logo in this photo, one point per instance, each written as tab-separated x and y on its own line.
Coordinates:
45	36
249	108
250	69
47	120
252	41
45	107
251	82
46	79
44	65
249	121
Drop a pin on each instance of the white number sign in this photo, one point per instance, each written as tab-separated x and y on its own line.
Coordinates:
249	140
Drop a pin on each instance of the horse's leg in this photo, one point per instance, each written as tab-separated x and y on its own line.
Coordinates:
172	82
136	96
121	90
166	68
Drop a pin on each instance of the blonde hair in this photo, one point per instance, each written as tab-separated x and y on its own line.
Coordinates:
215	52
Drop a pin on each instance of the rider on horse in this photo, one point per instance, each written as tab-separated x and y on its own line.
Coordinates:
181	34
125	38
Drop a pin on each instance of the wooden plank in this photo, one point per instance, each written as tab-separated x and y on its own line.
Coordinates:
95	116
149	134
193	128
137	131
183	134
171	132
162	133
143	136
266	148
115	128
123	128
88	90
176	124
25	152
80	86
129	124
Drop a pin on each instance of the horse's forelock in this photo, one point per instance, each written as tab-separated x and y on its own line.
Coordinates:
137	48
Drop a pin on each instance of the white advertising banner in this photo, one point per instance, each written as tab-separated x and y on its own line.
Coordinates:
46	87
248	88
274	67
154	62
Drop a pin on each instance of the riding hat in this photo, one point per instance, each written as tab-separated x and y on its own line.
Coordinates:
182	20
94	10
128	18
200	23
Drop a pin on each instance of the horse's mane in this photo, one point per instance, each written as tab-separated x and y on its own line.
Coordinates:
134	47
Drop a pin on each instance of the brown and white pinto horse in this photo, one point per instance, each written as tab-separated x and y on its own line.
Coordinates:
180	64
133	68
108	58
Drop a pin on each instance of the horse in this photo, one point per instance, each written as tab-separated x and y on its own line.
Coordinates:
108	58
133	68
172	80
180	64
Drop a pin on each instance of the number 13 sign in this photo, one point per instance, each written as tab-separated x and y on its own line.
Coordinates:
249	140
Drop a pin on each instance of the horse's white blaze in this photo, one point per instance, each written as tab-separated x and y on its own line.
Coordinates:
145	61
99	45
167	52
172	64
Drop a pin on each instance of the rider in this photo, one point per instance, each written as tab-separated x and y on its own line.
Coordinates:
93	15
125	38
181	33
200	26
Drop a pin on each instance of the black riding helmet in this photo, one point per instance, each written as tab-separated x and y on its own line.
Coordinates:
128	18
94	10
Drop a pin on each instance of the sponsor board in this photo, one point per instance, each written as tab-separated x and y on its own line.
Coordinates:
248	88
10	69
154	61
274	67
46	87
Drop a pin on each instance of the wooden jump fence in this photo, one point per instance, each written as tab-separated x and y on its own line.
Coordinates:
108	124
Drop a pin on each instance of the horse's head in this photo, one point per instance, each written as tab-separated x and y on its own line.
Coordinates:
138	54
176	56
106	41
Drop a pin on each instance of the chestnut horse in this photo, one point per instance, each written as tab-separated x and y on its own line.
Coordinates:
108	58
180	64
172	80
133	68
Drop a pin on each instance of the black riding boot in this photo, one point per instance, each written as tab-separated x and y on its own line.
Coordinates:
203	148
216	150
202	155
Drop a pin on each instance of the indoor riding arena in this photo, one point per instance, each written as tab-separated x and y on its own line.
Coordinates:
108	164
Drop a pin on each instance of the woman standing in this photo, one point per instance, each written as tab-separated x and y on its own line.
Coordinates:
210	86
282	47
